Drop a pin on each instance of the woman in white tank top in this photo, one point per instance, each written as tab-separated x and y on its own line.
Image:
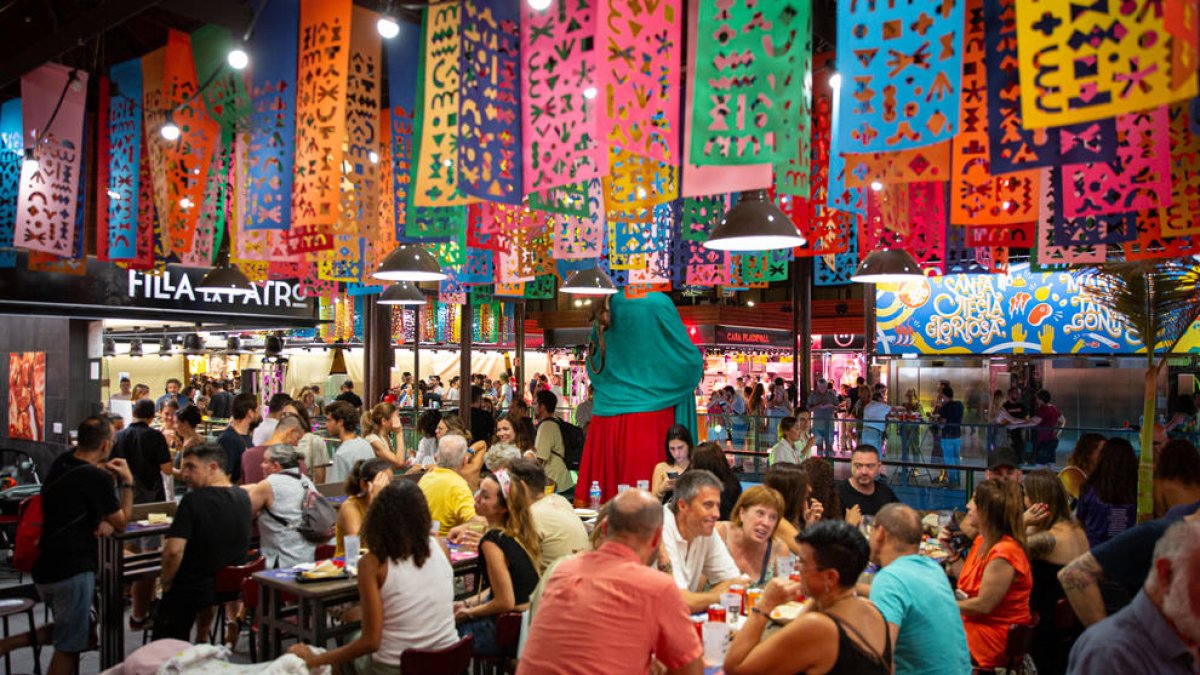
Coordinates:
405	586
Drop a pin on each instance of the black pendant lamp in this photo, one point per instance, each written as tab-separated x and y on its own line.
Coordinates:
592	281
754	223
409	262
888	266
402	293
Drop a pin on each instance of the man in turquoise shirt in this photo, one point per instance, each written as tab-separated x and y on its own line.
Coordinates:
914	596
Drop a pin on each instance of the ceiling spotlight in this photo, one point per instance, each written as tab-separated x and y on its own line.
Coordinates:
749	303
193	344
169	130
447	162
387	27
238	58
233	346
754	223
373	157
876	186
273	346
135	347
835	81
110	347
186	203
29	162
114	195
589	93
165	347
539	5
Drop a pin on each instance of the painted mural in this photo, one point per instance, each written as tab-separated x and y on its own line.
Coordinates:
1022	312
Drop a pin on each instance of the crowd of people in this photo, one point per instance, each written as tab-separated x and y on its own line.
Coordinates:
1059	555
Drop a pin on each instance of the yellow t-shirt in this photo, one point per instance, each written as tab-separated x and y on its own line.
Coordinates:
450	500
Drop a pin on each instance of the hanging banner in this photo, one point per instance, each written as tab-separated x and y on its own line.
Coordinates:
739	79
359	212
900	71
188	158
1019	235
826	231
1139	179
125	152
103	86
403	84
437	176
560	132
48	198
224	90
210	225
272	138
489	119
977	196
794	154
1013	146
910	216
578	237
918	165
1182	217
1086	62
323	60
12	150
154	114
1152	242
839	196
836	269
960	256
1048	253
708	179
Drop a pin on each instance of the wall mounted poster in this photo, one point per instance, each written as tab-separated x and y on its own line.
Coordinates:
1022	312
27	396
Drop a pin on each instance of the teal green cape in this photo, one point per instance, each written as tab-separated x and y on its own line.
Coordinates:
650	363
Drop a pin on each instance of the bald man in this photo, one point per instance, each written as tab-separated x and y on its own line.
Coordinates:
632	605
912	593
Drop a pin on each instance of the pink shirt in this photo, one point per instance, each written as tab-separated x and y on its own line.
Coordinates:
604	598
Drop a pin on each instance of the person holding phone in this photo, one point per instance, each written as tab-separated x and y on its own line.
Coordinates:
679	457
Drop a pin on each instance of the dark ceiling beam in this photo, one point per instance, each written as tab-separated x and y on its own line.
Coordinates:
232	15
100	19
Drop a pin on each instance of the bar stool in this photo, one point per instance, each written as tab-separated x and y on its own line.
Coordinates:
25	606
229	584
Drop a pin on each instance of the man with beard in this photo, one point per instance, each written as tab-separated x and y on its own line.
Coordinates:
1159	631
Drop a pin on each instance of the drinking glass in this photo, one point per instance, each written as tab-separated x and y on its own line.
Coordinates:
350	544
643	485
621	488
716	641
732	602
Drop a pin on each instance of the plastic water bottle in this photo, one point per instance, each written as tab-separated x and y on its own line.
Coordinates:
594	496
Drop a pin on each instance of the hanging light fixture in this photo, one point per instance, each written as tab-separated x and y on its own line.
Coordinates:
165	347
402	293
409	262
887	266
754	223
273	346
110	347
233	346
135	348
592	281
237	58
226	279
170	130
193	344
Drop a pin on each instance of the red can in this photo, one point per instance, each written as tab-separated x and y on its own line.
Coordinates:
716	614
698	624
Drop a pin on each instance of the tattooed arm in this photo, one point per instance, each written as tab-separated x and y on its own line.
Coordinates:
1079	580
1039	546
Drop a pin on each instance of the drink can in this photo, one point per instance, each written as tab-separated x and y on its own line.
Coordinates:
716	613
740	590
752	597
698	624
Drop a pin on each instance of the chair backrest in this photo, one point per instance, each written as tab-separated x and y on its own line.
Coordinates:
250	595
230	577
1020	639
508	629
452	659
324	552
1064	615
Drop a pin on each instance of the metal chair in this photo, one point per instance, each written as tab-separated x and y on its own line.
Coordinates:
508	634
453	659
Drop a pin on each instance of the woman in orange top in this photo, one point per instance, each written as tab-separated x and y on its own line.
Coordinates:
996	578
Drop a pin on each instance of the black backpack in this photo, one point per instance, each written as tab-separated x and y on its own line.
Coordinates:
318	518
573	440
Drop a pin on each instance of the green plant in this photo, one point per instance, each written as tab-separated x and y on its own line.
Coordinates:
1159	301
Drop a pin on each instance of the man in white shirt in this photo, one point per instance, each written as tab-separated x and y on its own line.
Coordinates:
266	428
341	421
691	551
875	420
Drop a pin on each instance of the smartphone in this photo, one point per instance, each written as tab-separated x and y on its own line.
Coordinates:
672	474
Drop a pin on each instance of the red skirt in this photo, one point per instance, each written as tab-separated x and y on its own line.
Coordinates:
622	449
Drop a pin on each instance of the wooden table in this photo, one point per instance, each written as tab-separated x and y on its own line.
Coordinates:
307	619
117	568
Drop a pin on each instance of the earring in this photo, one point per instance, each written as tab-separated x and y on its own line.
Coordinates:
826	587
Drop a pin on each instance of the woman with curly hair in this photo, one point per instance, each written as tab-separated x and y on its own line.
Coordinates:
405	587
824	487
511	556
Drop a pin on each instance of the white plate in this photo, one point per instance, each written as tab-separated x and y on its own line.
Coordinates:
586	514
